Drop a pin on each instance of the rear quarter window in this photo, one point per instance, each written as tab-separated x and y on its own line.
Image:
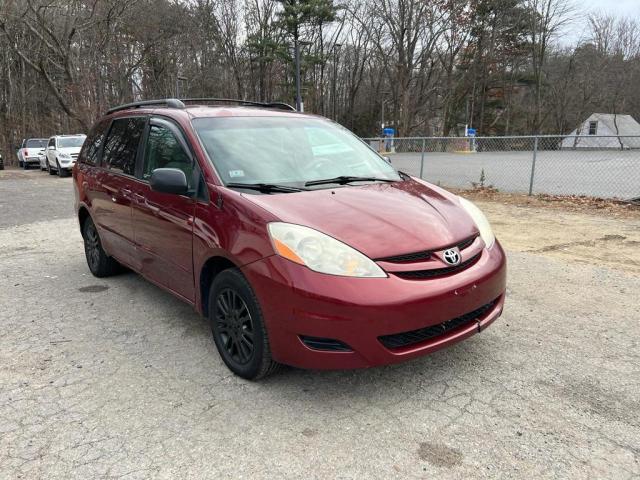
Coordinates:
121	144
90	153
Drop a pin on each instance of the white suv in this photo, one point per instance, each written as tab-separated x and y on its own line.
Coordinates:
62	152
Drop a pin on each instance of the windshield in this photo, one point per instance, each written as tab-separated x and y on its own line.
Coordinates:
70	142
285	150
36	143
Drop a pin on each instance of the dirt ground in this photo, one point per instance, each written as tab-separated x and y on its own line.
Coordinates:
579	230
114	378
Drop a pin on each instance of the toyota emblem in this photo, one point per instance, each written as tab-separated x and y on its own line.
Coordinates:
452	256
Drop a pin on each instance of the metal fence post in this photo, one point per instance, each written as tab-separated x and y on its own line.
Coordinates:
533	165
422	158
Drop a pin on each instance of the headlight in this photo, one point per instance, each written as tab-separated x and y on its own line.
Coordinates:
480	220
320	252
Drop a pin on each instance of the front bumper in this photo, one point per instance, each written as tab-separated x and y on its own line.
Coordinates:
66	164
297	302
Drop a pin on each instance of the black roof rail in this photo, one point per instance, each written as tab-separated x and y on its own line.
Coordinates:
277	105
169	102
180	103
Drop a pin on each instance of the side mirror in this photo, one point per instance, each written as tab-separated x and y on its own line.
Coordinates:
169	180
387	159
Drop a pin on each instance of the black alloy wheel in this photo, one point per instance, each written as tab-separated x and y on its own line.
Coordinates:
235	326
238	326
100	264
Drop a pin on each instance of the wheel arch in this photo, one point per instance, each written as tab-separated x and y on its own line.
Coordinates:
83	214
211	268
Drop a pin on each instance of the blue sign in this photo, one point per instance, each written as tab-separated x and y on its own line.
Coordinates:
471	132
389	132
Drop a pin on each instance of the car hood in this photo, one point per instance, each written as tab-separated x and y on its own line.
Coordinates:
381	219
69	150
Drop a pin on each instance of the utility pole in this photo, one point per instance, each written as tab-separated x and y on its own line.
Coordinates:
296	48
336	48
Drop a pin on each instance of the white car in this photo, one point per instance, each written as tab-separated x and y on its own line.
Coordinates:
30	150
62	152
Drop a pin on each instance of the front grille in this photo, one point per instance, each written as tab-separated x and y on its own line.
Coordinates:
424	255
467	243
437	272
399	340
408	257
325	344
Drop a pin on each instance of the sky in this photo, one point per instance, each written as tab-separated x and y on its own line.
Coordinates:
615	7
619	8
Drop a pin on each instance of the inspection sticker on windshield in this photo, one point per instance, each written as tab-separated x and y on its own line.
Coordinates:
236	173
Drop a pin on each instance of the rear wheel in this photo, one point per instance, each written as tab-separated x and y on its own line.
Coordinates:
49	169
20	163
25	165
238	326
100	264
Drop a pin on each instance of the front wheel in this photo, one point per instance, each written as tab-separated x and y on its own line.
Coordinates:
49	169
100	264
61	172
238	326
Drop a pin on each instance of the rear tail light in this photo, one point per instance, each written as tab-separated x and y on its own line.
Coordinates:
26	152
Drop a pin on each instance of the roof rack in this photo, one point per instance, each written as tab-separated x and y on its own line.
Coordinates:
181	103
277	105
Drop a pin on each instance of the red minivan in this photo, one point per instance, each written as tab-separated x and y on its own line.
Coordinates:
300	244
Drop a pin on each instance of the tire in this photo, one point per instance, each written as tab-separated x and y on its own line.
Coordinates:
238	326
49	169
61	172
100	264
25	165
20	164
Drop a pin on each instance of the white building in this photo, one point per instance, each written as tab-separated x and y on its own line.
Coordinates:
604	130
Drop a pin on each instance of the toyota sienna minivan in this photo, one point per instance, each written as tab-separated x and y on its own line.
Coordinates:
299	243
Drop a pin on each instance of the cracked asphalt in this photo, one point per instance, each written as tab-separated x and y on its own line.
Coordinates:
114	378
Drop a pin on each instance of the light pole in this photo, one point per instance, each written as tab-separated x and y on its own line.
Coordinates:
336	48
296	47
384	102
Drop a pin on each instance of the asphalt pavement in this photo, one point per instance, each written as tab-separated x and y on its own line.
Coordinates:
115	378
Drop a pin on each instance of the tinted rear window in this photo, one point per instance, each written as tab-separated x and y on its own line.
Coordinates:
36	143
93	142
121	145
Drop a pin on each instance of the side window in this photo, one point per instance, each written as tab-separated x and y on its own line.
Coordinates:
91	146
121	145
52	142
165	151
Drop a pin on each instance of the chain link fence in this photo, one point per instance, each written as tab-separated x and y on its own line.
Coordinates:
598	166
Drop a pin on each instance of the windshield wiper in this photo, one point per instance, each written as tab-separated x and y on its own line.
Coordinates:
265	187
344	179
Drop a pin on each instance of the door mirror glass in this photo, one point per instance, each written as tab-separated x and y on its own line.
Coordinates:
169	180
